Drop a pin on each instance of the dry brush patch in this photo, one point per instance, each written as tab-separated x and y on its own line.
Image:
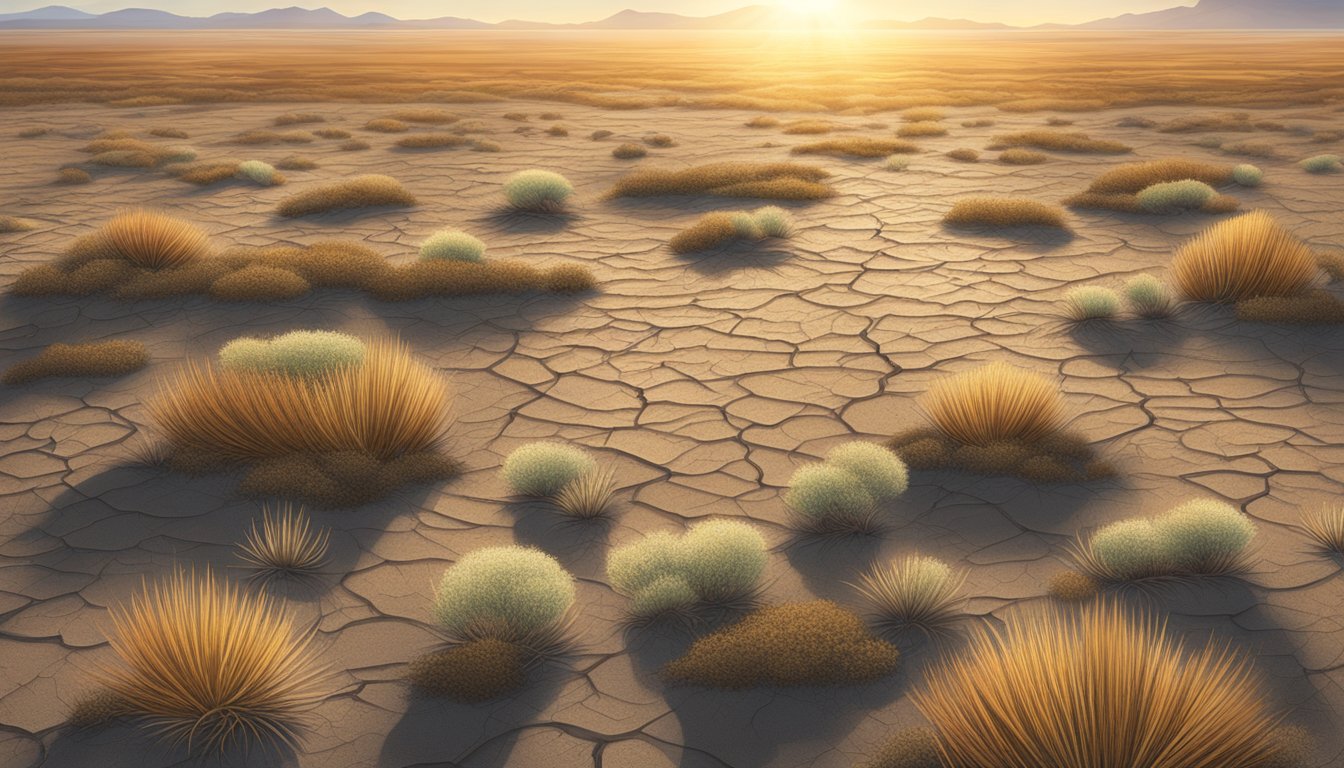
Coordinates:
368	191
432	141
1118	189
480	670
1008	212
1059	141
97	359
769	181
857	147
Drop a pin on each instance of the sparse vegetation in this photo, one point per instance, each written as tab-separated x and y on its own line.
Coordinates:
258	138
432	141
1004	212
763	121
912	592
1149	297
332	133
629	152
921	130
212	665
308	354
771	181
297	163
559	131
809	128
924	115
73	176
844	493
714	562
261	173
857	147
909	748
1243	258
287	544
514	594
207	173
93	360
1101	687
1022	157
660	140
386	125
1323	164
588	495
354	145
1199	538
477	671
1176	196
9	224
537	191
964	155
1073	586
1246	175
168	133
815	643
1326	526
1118	189
1315	307
1091	303
370	191
544	469
452	245
1060	141
716	229
298	118
428	115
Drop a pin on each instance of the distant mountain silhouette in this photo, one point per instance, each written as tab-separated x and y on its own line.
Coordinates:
1208	14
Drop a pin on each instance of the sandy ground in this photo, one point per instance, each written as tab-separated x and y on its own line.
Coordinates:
705	381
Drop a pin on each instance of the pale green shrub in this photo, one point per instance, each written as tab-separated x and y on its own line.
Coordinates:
1129	550
881	471
896	163
715	561
544	469
1148	296
261	173
634	567
670	594
745	226
297	353
452	245
178	155
1091	303
1247	175
829	498
537	191
774	221
515	594
1170	196
1205	536
1323	164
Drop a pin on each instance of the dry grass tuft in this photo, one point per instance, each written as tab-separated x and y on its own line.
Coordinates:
857	147
763	121
1023	157
297	163
386	125
918	592
370	191
1060	141
258	138
98	359
335	480
1004	212
477	671
1118	188
1244	258
924	115
298	118
169	133
207	663
207	173
426	115
144	238
1326	526
286	545
814	643
332	133
558	131
588	495
964	155
995	403
807	127
1072	586
73	176
770	181
390	406
921	130
432	141
629	152
354	145
1101	687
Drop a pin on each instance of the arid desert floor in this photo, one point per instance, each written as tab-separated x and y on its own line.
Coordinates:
705	381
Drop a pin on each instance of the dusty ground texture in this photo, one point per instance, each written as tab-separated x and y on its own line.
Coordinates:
706	381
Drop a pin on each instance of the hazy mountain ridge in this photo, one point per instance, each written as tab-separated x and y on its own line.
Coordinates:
1207	14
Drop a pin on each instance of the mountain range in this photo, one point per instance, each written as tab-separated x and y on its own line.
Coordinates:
1207	14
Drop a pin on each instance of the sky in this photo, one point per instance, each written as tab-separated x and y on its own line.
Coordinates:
1022	12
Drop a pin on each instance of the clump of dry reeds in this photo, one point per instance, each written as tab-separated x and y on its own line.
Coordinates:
995	403
147	239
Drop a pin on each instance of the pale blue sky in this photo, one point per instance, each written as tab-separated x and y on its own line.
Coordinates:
1009	11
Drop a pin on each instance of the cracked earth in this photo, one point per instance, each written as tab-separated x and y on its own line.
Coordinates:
705	382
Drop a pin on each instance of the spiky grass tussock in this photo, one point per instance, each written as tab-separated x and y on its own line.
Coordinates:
1326	526
206	662
1244	258
1097	688
145	238
914	591
588	495
389	406
995	403
287	544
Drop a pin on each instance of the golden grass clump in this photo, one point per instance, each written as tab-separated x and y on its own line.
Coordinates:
857	147
331	133
354	145
206	173
287	544
1023	157
762	121
1004	212
426	115
97	359
432	141
1248	257
1060	141
205	662
297	163
813	643
995	403
147	239
386	125
169	133
924	115
629	152
915	591
258	138
922	129
1094	689
804	127
298	118
369	191
73	176
770	181
1118	188
1326	526
964	155
389	406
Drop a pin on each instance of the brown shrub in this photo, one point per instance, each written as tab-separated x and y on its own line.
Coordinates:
857	147
386	125
297	163
919	130
477	671
370	191
557	130
33	133
485	145
909	748
601	134
427	115
629	152
339	479
1072	586
143	238
1061	458
813	643
332	133
98	359
763	121
924	115
73	176
1004	212
1236	121
432	141
1261	149
259	283
125	159
660	140
964	155
354	145
205	174
1314	308
1023	157
257	138
711	231
981	122
517	117
1059	141
298	118
1248	257
809	127
780	181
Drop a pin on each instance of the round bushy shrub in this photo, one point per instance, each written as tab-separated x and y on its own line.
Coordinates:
880	470
452	245
1148	296
537	191
1091	303
774	221
515	594
1129	549
297	353
261	173
1323	164
1247	175
634	567
723	559
1183	195
745	226
1205	536
669	594
826	496
544	469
